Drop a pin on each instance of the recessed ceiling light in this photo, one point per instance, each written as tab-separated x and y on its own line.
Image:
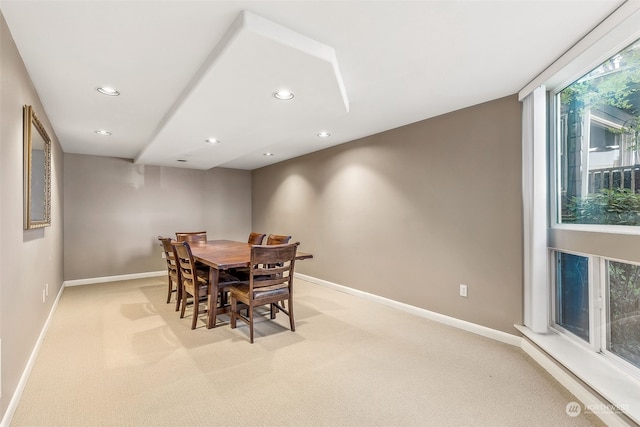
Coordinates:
103	132
324	134
109	91
212	141
268	154
285	95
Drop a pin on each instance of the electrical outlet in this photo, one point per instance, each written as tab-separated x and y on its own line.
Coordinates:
463	290
46	289
164	256
44	296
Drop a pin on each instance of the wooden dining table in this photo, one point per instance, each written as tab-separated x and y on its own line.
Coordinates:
222	255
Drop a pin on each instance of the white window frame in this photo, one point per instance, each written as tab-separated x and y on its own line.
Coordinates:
555	162
594	295
595	369
598	307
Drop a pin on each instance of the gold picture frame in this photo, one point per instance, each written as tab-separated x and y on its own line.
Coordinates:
37	172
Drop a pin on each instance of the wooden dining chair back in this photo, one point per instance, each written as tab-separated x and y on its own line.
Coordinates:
192	236
277	239
256	238
195	282
270	281
243	272
173	271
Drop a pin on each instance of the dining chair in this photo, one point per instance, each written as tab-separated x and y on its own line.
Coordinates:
191	236
173	271
270	281
277	239
195	282
256	238
243	272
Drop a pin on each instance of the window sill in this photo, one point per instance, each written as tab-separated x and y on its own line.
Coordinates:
607	379
633	230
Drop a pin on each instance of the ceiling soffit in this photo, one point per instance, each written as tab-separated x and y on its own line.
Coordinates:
233	91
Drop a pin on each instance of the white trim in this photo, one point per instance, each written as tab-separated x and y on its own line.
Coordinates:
605	378
437	317
617	379
597	333
94	280
15	399
597	228
616	31
543	359
534	203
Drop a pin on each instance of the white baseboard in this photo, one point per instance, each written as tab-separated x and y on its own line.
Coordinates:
437	317
15	399
94	280
583	393
590	376
575	387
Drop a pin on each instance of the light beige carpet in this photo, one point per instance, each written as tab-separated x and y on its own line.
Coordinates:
116	355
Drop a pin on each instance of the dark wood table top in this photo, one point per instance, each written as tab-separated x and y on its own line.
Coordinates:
224	254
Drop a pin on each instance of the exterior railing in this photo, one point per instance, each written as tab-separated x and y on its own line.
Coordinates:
617	177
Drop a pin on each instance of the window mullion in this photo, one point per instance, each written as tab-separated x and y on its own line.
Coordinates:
596	294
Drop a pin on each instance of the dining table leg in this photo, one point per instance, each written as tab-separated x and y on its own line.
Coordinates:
214	275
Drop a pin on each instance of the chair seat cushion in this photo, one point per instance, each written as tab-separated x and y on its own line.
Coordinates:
263	292
223	277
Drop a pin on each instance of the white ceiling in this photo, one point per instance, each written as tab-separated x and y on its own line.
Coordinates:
191	70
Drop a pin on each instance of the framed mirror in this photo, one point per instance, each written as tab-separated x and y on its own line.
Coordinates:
37	172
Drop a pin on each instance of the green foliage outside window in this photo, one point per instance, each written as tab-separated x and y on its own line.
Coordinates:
619	206
624	311
615	83
611	94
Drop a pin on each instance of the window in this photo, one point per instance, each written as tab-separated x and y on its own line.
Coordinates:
581	212
623	311
597	176
598	124
572	294
574	309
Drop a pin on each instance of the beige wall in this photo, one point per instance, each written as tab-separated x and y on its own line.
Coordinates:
28	259
411	213
115	210
407	214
